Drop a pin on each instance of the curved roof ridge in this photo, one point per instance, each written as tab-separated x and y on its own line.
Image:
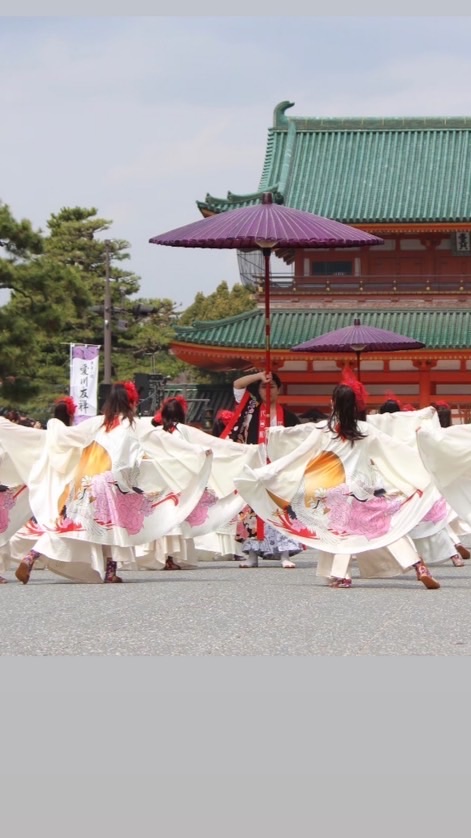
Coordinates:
234	201
371	123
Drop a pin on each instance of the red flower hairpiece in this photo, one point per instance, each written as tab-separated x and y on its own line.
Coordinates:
442	404
130	388
389	396
225	415
70	405
157	418
349	378
407	407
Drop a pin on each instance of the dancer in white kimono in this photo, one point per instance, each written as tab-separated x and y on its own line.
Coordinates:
220	503
97	494
434	538
346	490
446	454
14	499
14	496
161	553
23	542
459	531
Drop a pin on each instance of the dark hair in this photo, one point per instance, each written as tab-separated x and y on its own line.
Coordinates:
218	427
444	416
117	404
345	414
390	406
254	389
61	412
314	415
172	412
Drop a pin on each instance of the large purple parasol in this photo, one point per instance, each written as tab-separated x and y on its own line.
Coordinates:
266	227
358	339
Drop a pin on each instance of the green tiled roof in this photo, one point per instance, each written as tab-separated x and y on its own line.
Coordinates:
439	329
366	170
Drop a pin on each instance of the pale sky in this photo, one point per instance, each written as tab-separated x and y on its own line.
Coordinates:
142	116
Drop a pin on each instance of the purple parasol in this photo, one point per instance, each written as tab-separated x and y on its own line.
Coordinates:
358	339
265	227
265	224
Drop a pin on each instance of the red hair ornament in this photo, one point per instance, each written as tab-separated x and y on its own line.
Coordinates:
225	416
70	405
131	390
390	396
349	378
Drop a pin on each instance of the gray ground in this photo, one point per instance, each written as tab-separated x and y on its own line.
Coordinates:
219	609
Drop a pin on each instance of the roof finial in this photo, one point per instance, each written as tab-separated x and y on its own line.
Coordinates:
279	118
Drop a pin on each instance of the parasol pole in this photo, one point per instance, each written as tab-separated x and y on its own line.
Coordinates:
266	256
266	248
357	349
358	364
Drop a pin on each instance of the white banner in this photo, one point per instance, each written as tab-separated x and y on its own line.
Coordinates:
84	379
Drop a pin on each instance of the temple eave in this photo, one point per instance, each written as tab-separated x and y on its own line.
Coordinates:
232	358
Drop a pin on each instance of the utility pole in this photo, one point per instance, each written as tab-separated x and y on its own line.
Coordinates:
107	313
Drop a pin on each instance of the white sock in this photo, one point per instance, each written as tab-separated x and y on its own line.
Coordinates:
284	558
253	557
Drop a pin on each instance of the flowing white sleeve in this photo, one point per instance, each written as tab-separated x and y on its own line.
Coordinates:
446	452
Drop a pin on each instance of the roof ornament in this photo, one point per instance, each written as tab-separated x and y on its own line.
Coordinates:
279	118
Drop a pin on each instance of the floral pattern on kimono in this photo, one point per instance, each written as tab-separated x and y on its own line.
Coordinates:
201	511
347	509
105	501
7	503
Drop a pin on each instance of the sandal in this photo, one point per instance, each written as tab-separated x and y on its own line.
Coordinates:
23	572
110	573
335	582
457	560
171	565
463	551
424	576
3	581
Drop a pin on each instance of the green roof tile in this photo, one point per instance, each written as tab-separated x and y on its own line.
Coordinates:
366	170
439	329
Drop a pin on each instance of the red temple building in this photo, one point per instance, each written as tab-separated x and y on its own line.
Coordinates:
407	180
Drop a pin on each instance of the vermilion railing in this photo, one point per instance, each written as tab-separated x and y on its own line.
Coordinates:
284	284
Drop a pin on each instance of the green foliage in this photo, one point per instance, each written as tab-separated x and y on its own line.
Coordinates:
54	286
18	239
146	340
220	304
57	285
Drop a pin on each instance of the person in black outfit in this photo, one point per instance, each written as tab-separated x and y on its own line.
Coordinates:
250	426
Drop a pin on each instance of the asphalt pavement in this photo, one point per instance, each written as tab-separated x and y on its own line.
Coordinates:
220	609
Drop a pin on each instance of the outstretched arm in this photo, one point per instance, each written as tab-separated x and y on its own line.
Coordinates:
246	380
